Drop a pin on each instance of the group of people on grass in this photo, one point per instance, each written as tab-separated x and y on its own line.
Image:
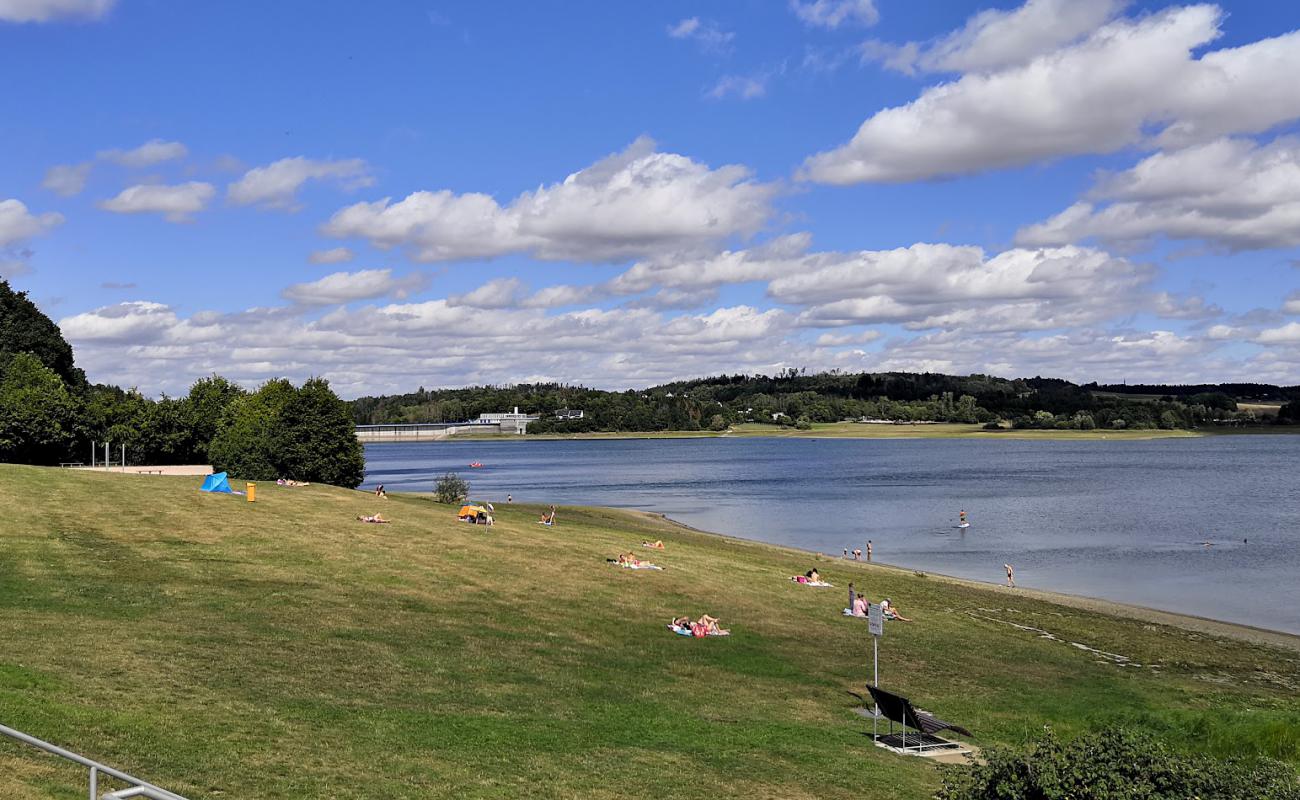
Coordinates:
859	607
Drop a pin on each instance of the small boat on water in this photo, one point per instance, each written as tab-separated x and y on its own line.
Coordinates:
476	464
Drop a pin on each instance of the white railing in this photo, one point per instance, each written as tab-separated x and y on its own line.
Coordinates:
137	787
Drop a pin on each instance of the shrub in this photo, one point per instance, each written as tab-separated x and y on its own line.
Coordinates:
451	488
803	424
1116	764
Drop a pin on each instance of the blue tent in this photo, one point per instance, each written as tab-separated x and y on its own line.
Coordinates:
216	483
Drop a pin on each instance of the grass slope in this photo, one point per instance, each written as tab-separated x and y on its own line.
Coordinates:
283	650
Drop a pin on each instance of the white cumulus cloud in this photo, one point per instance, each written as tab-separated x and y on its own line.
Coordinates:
51	10
995	38
176	203
1099	95
276	185
17	224
66	180
1232	192
346	287
334	255
630	204
154	151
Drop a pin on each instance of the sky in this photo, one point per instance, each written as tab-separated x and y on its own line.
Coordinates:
402	194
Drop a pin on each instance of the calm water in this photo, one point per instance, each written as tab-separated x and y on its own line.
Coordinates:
1120	520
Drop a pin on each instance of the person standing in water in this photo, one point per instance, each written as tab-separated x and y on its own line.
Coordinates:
868	549
1011	576
962	515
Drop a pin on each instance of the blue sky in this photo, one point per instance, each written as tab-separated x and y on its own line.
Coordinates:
398	194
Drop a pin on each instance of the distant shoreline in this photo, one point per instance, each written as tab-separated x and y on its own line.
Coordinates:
870	431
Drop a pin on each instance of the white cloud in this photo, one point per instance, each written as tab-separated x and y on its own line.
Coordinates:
176	203
50	10
994	39
630	204
706	34
498	293
66	180
334	255
1096	96
1231	192
561	296
1172	306
742	86
847	339
276	185
1292	303
122	322
959	288
346	287
834	13
1285	334
17	224
154	151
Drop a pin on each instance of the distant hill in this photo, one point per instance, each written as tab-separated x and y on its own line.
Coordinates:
794	397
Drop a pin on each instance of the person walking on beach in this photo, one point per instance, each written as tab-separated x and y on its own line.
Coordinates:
868	549
857	554
1011	576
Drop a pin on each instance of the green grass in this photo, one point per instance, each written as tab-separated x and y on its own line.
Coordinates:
282	650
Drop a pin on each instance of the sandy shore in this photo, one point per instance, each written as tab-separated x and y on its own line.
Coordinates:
1203	625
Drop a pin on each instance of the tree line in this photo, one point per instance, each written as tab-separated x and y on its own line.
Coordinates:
798	399
50	414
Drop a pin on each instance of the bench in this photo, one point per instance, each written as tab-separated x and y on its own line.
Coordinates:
898	709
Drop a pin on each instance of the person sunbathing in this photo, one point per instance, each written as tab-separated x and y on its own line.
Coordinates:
704	626
376	518
890	611
628	560
657	544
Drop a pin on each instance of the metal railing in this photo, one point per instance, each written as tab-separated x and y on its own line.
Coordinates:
137	787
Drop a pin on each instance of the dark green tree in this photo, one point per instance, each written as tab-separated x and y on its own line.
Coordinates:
204	408
242	444
315	439
37	412
24	329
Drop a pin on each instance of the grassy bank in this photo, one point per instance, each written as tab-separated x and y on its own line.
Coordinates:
283	650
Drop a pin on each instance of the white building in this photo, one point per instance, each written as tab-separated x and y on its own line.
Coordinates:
510	422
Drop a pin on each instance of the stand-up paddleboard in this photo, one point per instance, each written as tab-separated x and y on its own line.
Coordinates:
962	525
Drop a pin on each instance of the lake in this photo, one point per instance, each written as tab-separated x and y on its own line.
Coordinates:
1121	520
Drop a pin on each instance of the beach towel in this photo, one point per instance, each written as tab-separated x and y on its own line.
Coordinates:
641	566
848	612
681	630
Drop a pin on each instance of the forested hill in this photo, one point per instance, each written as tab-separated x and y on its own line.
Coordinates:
796	398
1242	392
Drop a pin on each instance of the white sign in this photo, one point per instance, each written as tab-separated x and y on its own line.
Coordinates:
875	620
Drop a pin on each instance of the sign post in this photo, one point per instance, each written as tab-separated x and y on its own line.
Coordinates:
876	625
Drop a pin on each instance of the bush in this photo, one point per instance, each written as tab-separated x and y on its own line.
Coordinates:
451	488
1116	764
803	424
